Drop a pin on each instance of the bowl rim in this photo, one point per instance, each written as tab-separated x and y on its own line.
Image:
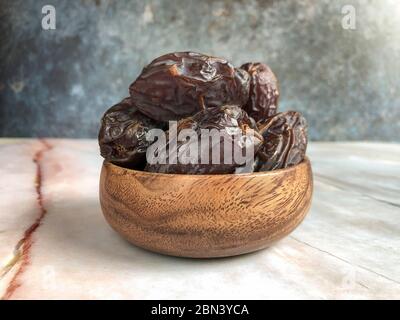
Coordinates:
305	162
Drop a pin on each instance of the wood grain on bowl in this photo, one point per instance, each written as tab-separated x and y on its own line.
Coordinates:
205	215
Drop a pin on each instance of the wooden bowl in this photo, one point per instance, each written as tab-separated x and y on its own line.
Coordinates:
205	216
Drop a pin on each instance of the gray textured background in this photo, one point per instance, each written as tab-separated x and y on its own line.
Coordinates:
59	82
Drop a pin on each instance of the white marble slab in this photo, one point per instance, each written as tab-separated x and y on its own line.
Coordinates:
347	248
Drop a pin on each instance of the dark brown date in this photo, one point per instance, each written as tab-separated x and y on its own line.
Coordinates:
122	136
180	84
229	126
264	91
285	141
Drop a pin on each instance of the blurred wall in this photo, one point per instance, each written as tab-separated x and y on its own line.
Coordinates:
59	82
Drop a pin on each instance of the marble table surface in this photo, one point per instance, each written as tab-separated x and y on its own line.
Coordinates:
55	243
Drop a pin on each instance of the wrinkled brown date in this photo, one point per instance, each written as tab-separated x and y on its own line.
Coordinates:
122	136
230	122
285	141
264	91
180	84
203	92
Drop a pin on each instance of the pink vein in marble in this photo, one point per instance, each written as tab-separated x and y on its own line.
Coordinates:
23	246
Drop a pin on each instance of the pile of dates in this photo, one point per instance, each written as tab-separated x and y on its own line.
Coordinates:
190	113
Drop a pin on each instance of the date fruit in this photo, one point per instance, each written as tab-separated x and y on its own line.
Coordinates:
228	146
231	113
180	84
264	91
122	136
285	141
